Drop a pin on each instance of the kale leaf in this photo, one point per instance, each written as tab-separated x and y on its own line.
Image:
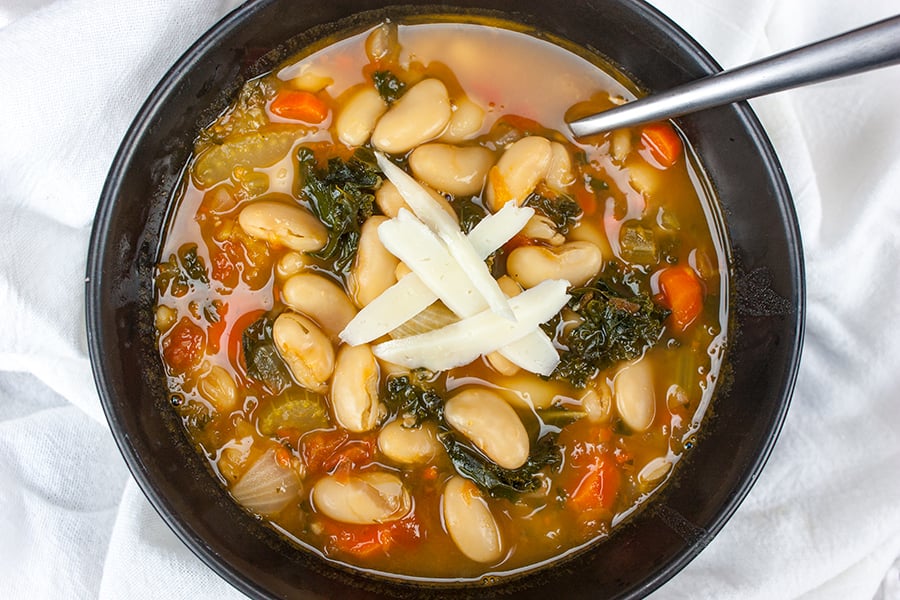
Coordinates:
415	400
562	210
616	327
500	482
182	271
264	364
342	196
389	87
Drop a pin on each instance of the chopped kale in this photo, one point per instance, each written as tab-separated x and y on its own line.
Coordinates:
495	479
470	213
388	85
563	210
415	400
342	196
182	271
264	364
616	327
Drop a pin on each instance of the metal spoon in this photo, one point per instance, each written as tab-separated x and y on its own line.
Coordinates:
870	47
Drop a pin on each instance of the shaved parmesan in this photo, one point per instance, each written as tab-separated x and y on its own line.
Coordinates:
409	296
462	342
534	352
459	246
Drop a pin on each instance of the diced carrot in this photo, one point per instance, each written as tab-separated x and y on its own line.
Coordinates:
682	293
663	143
597	487
298	105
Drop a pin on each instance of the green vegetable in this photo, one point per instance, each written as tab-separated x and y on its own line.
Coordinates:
295	408
264	364
616	326
414	399
562	210
389	87
251	149
342	196
560	417
638	243
495	479
470	213
182	271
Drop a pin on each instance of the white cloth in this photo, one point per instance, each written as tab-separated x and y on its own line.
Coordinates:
821	522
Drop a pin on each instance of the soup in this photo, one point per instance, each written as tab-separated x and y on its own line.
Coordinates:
415	326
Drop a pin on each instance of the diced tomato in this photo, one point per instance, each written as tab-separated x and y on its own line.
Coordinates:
223	269
299	105
317	446
184	346
682	293
351	455
235	334
365	540
662	142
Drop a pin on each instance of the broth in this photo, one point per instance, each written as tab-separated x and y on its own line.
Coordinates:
386	467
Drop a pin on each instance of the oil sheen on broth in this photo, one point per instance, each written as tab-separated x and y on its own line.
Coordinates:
360	435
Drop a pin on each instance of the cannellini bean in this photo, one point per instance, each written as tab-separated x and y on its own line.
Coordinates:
597	402
635	395
362	498
469	521
620	144
576	262
218	388
466	121
408	445
389	200
354	389
356	121
654	470
421	114
383	44
374	267
501	364
284	224
457	170
509	286
559	171
585	231
291	263
491	424
526	390
644	177
521	167
321	299
401	271
309	80
542	228
165	318
306	350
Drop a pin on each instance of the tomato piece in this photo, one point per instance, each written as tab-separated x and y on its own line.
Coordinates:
299	105
183	347
365	540
663	143
597	487
317	446
682	293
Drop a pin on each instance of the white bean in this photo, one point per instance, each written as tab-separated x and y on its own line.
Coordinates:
521	167
597	402
306	350
420	115
469	521
218	388
457	170
354	389
466	121
362	498
501	364
408	445
356	121
576	262
284	224
559	172
542	228
374	267
321	299
389	200
291	263
654	470
636	395
491	424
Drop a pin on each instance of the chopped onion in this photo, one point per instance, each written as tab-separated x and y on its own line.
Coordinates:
434	317
462	342
266	487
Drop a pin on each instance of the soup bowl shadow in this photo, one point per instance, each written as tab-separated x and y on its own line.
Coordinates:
765	330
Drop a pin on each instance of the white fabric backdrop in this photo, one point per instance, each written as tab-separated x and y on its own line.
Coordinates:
823	520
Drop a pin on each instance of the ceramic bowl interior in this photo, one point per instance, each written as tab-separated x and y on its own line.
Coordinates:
767	299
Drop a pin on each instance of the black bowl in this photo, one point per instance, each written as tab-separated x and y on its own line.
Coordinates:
767	300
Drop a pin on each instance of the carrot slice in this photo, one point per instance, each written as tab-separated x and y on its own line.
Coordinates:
663	143
682	292
299	105
597	487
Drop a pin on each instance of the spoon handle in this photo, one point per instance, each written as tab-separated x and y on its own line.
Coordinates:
870	47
